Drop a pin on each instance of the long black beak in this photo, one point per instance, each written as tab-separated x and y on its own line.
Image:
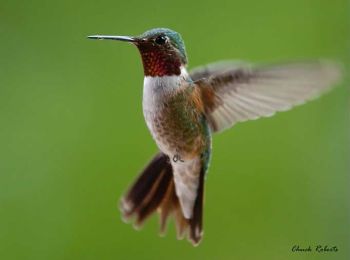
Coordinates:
110	37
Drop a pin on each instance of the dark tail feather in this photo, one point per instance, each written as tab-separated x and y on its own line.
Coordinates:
154	190
196	222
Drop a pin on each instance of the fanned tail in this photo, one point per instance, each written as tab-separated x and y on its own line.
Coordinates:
154	190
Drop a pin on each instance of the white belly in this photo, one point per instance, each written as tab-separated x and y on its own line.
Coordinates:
155	90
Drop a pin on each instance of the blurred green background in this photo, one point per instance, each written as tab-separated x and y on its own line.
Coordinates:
72	134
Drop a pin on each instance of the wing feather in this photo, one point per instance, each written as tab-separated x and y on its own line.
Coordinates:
235	92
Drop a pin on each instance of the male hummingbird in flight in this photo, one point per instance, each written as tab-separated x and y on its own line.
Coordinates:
183	109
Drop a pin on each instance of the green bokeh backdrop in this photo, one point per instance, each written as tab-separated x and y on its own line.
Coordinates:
72	134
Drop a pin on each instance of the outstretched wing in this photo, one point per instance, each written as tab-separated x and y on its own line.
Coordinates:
234	92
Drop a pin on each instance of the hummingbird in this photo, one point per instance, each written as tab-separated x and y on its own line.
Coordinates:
183	109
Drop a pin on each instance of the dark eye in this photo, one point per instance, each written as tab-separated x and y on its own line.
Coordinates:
162	39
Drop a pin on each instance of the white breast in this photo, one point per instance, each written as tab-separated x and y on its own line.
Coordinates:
155	91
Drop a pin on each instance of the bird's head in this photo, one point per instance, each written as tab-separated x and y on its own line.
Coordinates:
162	50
